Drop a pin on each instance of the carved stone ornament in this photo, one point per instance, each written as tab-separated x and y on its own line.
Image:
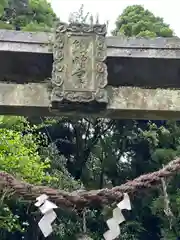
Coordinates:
79	74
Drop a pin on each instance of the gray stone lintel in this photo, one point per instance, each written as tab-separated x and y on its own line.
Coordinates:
124	102
17	41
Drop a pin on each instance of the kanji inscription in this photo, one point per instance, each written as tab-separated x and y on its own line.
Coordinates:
79	74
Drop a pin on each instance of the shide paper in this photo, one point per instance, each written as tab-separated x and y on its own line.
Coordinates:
46	207
125	203
118	218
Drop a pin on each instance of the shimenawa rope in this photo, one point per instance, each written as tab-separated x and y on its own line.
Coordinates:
93	198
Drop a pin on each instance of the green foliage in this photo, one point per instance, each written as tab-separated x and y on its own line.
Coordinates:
139	22
8	220
4	25
15	123
79	16
32	15
36	27
64	180
19	156
19	153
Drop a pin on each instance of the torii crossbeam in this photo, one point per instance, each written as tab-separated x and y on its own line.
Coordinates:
88	74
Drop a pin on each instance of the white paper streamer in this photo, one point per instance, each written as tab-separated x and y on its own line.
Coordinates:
45	223
118	218
125	203
114	229
46	207
40	200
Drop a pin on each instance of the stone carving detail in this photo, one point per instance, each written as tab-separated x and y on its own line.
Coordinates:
79	74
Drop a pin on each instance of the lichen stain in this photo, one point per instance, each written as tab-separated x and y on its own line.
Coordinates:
144	99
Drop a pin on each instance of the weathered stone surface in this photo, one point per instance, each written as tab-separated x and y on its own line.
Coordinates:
124	102
79	75
133	42
26	57
139	103
18	41
24	99
24	37
144	99
32	94
164	48
144	53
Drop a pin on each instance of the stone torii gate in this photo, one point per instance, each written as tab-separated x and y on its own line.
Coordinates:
89	74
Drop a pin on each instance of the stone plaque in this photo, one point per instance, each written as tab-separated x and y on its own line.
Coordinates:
79	74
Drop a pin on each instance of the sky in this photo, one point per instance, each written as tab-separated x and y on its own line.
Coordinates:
108	10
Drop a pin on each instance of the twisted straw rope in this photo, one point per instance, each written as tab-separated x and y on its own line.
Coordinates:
93	198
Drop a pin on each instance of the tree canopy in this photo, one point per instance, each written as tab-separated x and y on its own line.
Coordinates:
140	22
32	15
